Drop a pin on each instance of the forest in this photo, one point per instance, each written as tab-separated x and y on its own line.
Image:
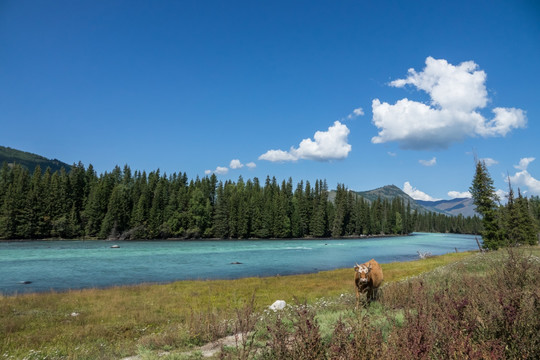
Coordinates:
122	204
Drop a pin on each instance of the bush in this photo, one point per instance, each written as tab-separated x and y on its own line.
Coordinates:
489	308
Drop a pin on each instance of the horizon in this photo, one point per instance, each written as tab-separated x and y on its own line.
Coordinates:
360	94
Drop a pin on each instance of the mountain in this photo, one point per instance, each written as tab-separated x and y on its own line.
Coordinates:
463	206
387	192
452	207
29	160
390	192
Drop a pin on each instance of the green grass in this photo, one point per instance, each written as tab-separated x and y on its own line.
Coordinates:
177	317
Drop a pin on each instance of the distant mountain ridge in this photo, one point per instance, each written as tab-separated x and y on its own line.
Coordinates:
29	160
463	206
390	192
453	207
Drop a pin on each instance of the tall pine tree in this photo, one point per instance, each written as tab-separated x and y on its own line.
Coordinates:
485	199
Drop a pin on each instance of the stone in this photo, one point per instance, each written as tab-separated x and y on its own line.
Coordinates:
278	305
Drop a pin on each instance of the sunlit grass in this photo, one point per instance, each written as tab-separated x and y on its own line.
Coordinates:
122	321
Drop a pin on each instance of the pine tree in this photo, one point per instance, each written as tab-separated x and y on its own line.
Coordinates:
485	198
528	231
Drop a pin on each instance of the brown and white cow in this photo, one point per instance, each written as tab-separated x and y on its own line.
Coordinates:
367	278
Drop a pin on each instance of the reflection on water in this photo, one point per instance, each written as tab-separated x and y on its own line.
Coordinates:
63	265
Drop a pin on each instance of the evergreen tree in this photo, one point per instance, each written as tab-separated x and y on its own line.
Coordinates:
485	199
528	233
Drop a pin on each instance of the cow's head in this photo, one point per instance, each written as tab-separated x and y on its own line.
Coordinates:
362	271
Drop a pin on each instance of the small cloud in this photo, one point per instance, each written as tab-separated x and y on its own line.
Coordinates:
277	156
428	162
391	153
503	195
459	195
489	161
251	165
416	194
524	163
327	145
236	164
356	112
220	170
524	178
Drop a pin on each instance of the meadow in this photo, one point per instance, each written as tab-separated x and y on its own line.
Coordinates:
458	305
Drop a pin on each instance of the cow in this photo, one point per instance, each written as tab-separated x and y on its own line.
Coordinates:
367	278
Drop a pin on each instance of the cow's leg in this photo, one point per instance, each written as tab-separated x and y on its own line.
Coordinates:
377	294
373	294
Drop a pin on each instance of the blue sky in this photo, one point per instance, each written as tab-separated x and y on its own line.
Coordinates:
363	93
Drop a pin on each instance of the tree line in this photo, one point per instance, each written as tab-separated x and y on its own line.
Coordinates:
513	224
122	204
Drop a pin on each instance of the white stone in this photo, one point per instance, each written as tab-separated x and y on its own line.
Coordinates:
278	305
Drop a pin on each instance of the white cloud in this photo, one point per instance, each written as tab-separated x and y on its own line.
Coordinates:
456	93
391	153
356	112
278	155
428	162
251	165
524	163
327	145
489	161
459	195
450	87
505	120
236	164
415	193
523	178
220	170
502	195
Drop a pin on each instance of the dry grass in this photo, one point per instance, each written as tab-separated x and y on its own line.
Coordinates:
117	322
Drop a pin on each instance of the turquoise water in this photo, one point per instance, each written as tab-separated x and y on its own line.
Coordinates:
63	265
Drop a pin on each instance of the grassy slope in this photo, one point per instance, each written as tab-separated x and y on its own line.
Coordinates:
115	322
29	160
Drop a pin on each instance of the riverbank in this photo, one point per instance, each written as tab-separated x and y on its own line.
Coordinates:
117	322
214	239
63	265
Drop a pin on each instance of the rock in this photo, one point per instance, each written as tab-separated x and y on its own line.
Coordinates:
25	282
115	247
278	305
74	314
236	263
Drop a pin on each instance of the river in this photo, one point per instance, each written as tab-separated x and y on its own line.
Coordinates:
40	266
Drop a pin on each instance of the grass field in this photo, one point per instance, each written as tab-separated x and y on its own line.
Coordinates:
177	318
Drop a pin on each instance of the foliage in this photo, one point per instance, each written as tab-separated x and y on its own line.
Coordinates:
126	205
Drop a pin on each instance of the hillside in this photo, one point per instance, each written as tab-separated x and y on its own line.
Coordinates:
463	206
390	192
29	160
453	207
